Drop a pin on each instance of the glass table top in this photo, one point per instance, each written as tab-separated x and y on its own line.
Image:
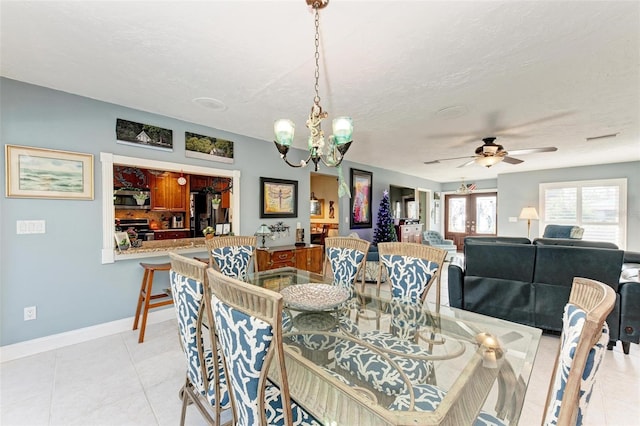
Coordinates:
478	362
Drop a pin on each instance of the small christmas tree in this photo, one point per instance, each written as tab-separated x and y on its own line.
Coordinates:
385	231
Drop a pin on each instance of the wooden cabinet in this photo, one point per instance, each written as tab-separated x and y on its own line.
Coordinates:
170	235
306	257
198	183
310	258
411	233
167	193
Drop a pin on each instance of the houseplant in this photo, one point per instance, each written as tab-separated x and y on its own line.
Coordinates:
140	197
208	232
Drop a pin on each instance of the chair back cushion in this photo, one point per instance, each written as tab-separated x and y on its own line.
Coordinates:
344	265
433	237
245	342
563	231
187	296
409	276
233	261
573	322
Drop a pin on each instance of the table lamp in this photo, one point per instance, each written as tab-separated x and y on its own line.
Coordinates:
529	213
263	232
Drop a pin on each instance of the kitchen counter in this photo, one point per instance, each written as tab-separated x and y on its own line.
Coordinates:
161	248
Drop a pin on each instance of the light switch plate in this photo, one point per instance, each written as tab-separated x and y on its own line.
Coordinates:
513	219
30	227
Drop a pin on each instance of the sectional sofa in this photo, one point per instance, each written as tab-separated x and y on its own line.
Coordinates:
529	282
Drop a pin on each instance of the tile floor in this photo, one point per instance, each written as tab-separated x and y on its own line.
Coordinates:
116	381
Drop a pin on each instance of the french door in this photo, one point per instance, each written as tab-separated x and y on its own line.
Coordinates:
470	215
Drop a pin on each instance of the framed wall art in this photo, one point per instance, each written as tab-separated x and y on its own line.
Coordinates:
361	183
143	135
278	198
208	148
48	173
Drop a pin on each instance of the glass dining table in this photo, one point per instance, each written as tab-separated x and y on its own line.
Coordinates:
475	362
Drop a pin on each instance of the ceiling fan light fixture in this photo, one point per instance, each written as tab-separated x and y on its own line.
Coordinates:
488	161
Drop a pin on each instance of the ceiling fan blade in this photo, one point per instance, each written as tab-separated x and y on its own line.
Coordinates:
511	160
468	163
446	159
533	150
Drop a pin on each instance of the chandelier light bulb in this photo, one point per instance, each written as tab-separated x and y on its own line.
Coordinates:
342	129
284	130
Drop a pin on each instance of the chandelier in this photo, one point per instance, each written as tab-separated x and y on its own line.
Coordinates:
331	153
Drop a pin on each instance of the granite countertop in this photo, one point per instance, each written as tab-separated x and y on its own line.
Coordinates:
162	247
170	229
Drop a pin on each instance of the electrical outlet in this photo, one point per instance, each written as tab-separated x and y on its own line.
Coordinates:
29	313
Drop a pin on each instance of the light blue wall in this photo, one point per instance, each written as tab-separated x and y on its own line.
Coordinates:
518	190
60	271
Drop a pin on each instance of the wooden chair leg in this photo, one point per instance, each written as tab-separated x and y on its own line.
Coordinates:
141	298
147	299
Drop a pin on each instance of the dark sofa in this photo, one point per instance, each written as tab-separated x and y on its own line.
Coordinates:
529	283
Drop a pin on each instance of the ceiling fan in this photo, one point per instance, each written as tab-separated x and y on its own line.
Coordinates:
491	153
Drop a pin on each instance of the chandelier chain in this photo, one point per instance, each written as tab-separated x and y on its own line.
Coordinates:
316	99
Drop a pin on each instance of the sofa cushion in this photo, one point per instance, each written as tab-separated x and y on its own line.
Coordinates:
573	243
560	264
500	240
563	231
500	298
503	261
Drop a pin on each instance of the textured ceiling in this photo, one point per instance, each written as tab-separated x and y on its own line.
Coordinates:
422	80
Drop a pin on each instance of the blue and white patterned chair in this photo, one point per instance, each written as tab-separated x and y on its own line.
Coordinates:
344	258
585	335
411	270
205	383
233	255
248	322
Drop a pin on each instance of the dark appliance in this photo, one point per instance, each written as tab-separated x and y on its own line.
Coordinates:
200	210
124	199
203	214
141	226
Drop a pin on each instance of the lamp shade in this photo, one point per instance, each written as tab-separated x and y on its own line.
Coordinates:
284	130
263	230
529	213
342	129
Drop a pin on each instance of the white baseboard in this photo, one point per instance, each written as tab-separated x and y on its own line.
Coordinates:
55	341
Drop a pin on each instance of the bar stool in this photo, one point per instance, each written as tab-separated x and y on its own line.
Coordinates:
146	296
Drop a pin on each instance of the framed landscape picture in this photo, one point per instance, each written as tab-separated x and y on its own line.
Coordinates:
208	148
48	173
361	182
143	135
278	198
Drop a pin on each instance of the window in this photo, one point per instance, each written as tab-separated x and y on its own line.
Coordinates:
108	215
598	206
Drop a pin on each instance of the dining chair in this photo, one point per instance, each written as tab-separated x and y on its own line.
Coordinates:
205	384
584	338
248	322
411	269
233	255
344	258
